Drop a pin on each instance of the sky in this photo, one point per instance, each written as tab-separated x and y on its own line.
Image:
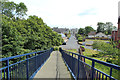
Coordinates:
73	13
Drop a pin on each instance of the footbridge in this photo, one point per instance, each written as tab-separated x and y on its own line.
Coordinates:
55	65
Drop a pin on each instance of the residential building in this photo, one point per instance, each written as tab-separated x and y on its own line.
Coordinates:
118	31
116	34
91	34
60	30
74	31
100	34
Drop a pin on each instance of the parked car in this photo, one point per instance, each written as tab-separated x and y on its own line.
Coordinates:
64	43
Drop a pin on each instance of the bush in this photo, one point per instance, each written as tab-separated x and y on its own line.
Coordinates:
109	60
56	48
94	55
80	39
107	50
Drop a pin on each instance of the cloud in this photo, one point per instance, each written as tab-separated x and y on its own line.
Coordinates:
88	12
73	13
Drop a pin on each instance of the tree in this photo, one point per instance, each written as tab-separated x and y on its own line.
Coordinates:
88	29
81	31
21	36
8	8
21	9
101	27
12	9
107	51
105	27
109	27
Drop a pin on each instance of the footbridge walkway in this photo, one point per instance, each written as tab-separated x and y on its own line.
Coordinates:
55	65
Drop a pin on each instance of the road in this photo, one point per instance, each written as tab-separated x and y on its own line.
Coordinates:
71	44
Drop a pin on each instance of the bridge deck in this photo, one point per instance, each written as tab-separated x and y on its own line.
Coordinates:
54	67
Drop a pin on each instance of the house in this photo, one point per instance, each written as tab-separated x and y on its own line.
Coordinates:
100	35
60	30
91	34
116	34
74	31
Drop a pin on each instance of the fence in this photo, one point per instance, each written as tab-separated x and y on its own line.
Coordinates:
81	70
25	68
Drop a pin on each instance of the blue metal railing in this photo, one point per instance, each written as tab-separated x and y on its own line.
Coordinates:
26	67
79	69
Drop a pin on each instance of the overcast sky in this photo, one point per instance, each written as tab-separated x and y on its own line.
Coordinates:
73	13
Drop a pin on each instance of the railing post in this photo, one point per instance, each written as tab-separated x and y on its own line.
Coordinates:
36	61
84	59
93	64
7	64
72	61
78	67
110	73
27	68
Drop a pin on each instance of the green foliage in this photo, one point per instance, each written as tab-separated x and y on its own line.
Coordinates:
101	27
21	9
88	29
81	31
22	36
105	27
108	51
56	48
79	37
12	9
95	54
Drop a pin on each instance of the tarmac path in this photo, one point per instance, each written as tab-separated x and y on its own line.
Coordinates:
54	68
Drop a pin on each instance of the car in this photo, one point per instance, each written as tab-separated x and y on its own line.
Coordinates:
64	43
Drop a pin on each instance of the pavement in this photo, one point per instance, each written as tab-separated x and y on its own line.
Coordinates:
54	68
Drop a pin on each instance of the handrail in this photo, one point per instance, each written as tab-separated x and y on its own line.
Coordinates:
26	68
98	61
90	71
4	59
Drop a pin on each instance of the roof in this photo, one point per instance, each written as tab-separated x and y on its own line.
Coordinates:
60	30
92	33
101	34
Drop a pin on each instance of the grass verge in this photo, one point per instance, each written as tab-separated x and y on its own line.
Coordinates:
103	68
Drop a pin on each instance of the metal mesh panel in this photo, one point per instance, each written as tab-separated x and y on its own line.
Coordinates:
18	70
23	69
82	71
